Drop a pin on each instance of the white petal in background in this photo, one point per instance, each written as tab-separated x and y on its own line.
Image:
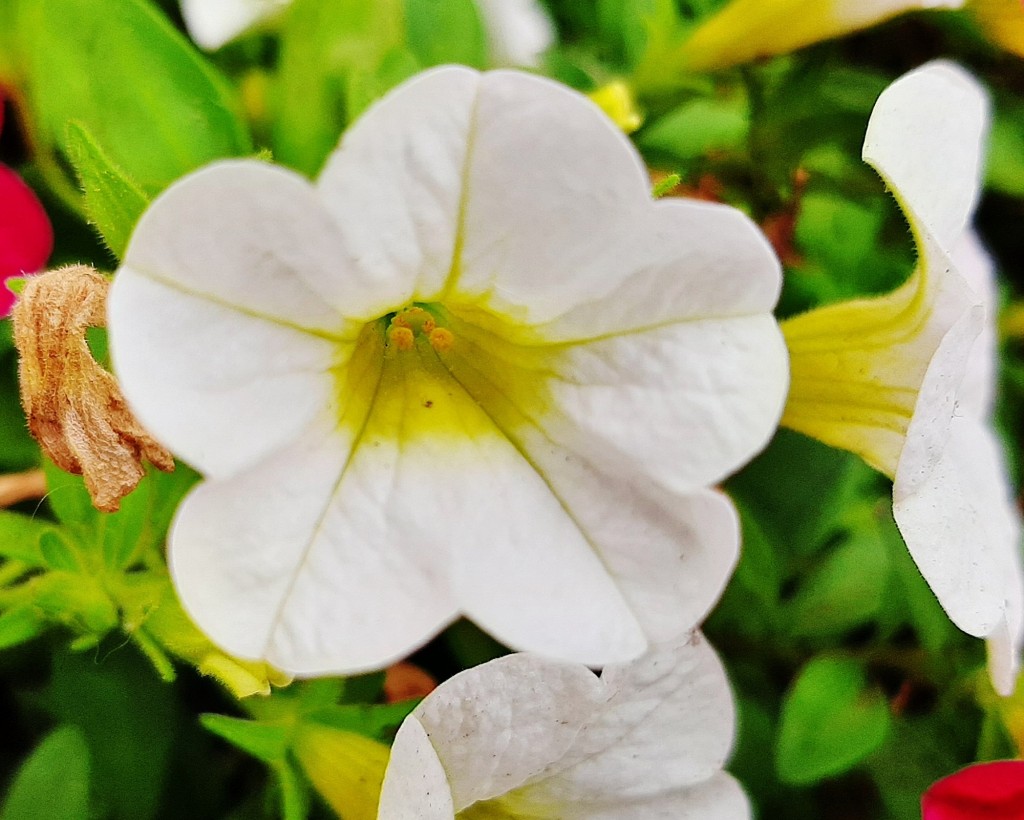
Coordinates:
526	737
518	31
212	23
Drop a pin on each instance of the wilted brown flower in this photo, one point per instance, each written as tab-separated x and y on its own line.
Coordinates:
74	407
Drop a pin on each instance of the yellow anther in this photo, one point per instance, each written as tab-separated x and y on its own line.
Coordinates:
441	339
429	324
402	338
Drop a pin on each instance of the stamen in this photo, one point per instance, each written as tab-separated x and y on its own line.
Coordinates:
441	339
401	338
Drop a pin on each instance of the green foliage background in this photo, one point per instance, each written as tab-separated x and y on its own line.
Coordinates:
855	692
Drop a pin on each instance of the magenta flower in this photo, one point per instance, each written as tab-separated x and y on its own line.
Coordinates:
994	791
26	237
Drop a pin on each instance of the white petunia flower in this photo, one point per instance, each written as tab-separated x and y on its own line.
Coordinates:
474	370
885	377
525	737
212	23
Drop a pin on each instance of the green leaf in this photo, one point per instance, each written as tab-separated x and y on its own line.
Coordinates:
130	721
68	498
113	201
294	792
831	720
322	44
377	722
846	588
19	625
1005	169
264	741
20	538
142	91
699	127
446	31
53	783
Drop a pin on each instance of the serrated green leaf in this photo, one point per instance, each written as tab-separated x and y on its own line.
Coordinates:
446	31
144	93
53	783
113	201
266	742
831	721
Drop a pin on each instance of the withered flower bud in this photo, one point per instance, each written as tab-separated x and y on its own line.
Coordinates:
74	407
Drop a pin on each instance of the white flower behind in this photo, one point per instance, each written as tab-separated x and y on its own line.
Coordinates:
525	737
474	370
212	23
518	31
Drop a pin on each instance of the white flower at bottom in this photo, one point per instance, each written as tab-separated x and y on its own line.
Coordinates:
525	737
474	370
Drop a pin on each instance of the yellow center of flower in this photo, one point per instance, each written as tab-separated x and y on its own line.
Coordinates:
431	369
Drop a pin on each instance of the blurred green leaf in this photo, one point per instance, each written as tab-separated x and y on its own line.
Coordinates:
20	624
142	91
130	721
846	588
53	783
322	45
831	720
20	537
113	201
699	127
377	722
266	742
1005	170
446	31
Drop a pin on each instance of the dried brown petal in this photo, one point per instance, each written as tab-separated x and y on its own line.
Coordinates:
74	407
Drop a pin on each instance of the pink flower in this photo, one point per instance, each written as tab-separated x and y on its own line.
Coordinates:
993	791
26	237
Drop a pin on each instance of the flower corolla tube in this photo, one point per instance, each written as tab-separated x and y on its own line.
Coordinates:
902	379
474	370
525	737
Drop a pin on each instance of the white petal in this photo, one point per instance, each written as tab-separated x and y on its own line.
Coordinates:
669	722
415	783
290	564
560	217
955	525
683	404
499	725
976	396
212	23
361	556
718	798
396	183
221	334
926	137
518	31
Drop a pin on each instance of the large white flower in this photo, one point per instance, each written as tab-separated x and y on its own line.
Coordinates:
525	737
885	377
474	370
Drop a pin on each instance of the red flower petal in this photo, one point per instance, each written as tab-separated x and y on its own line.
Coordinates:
26	237
987	791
